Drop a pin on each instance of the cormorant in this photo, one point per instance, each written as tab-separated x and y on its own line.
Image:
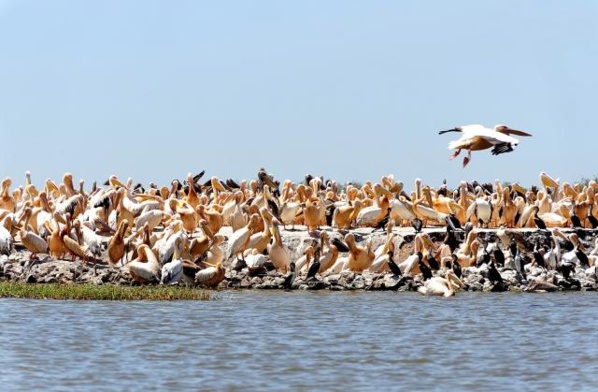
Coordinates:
315	265
394	268
417	225
425	270
290	278
456	266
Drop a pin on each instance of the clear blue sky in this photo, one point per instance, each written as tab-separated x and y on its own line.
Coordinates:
352	90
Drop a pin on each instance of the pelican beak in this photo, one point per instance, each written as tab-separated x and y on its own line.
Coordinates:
518	188
547	181
518	132
116	182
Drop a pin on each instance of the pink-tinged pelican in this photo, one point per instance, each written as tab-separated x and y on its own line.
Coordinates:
476	137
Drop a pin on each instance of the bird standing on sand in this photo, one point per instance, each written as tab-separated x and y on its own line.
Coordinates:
476	137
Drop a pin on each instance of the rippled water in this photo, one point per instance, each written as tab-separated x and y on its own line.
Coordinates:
304	341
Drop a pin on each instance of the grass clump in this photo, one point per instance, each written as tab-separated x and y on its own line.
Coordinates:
101	292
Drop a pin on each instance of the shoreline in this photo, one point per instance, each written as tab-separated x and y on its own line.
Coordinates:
64	276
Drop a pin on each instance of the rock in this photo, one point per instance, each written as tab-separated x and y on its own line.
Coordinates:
391	282
237	264
378	285
314	284
332	279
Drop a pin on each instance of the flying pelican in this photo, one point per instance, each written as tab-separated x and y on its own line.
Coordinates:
476	137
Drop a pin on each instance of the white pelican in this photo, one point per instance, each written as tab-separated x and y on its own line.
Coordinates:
401	210
34	243
238	241
476	137
445	287
215	253
6	240
278	253
116	246
211	276
145	268
304	261
288	213
255	261
481	209
172	272
360	257
90	239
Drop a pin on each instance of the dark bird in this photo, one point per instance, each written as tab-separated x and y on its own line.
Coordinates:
456	266
451	240
425	270
138	188
198	176
520	264
591	218
575	221
232	184
583	258
432	262
307	179
493	274
513	247
453	222
287	284
565	269
274	208
383	222
537	220
315	265
330	208
417	224
340	245
566	244
484	259
394	268
499	256
538	258
266	179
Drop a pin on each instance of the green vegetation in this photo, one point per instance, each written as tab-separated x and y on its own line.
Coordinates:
101	292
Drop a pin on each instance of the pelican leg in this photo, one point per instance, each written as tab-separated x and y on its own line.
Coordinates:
467	158
455	154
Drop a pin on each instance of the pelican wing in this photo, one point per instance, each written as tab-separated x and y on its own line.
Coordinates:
501	148
172	272
205	274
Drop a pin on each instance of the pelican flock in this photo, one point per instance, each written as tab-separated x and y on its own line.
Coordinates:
315	233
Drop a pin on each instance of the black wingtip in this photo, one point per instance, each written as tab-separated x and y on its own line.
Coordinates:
502	148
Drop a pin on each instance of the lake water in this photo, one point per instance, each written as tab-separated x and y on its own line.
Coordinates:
250	340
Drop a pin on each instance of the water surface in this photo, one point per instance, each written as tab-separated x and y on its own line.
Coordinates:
304	341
